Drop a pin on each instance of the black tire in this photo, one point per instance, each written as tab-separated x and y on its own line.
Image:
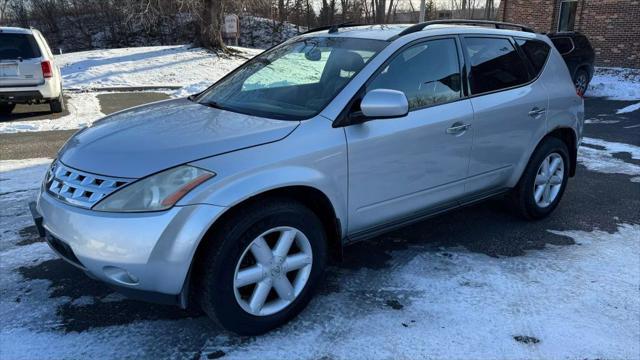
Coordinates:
522	196
217	261
6	109
57	105
581	81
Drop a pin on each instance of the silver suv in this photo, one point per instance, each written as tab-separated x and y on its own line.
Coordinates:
237	197
28	72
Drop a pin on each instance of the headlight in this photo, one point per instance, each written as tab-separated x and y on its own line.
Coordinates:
156	192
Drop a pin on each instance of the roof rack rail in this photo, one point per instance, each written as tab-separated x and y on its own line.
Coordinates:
332	28
496	24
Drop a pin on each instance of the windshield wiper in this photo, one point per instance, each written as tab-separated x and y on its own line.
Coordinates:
213	104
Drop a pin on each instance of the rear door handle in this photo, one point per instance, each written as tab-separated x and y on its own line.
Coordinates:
536	111
458	128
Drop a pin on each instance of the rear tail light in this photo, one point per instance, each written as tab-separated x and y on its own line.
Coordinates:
47	70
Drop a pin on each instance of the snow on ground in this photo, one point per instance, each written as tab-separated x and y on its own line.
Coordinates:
628	109
615	84
603	160
22	175
84	108
598	121
147	66
572	301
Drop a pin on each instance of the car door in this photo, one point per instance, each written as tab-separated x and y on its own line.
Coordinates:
509	112
399	167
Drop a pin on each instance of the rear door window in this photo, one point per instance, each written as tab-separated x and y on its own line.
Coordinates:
18	46
536	51
495	64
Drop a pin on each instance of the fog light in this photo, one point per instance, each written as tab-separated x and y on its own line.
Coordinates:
119	275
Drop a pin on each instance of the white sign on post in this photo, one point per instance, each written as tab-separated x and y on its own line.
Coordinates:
231	28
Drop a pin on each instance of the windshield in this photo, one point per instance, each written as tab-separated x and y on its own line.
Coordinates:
295	80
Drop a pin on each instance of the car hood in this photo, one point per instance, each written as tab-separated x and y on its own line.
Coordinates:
150	138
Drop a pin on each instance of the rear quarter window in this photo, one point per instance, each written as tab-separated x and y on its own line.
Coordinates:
582	42
495	64
563	44
18	46
536	51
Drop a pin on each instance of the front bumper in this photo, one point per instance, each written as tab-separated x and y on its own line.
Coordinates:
140	254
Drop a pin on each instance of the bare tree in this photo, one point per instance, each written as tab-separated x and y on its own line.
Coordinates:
209	20
4	7
489	8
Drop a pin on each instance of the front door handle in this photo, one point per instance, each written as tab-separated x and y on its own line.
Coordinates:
458	128
536	111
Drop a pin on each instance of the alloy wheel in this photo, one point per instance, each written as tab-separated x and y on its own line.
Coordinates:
581	84
272	271
549	180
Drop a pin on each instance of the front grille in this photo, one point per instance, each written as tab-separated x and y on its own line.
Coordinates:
78	187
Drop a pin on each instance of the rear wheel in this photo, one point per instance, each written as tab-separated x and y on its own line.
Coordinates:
543	181
6	109
581	81
57	105
261	268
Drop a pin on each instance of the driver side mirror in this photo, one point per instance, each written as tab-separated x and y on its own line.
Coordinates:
384	103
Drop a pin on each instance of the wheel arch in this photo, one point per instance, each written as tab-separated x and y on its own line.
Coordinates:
309	196
588	69
568	136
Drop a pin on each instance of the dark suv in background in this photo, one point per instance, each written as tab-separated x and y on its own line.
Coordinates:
579	56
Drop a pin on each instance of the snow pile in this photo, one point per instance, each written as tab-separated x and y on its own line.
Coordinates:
615	84
147	66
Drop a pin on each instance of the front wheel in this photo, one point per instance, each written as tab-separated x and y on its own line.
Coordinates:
543	181
261	268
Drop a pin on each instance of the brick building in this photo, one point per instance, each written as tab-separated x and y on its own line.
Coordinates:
612	26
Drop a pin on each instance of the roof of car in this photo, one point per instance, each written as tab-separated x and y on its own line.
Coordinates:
15	30
388	32
565	34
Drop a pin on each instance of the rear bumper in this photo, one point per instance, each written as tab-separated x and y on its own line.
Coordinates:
48	90
20	97
145	255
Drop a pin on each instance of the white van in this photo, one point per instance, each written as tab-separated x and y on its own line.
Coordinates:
28	73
